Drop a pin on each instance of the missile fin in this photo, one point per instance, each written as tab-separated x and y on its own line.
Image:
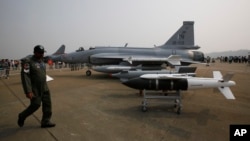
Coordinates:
225	78
217	74
228	77
226	92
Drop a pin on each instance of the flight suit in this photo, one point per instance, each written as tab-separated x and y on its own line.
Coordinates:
33	76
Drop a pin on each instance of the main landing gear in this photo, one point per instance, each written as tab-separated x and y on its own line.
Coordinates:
88	73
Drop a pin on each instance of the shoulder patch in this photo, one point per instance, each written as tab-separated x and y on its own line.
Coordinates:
26	67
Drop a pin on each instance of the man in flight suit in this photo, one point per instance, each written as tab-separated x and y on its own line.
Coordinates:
33	76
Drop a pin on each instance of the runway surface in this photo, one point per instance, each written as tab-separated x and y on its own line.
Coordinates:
101	108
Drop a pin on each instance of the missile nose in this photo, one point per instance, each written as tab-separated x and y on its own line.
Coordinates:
129	83
135	83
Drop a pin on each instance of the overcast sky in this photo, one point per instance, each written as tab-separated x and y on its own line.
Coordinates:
220	25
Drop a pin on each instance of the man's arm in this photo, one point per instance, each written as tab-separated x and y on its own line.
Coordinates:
25	77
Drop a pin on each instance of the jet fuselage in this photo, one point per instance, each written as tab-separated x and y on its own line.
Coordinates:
115	55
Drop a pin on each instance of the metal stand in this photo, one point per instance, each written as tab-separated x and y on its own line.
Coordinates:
176	96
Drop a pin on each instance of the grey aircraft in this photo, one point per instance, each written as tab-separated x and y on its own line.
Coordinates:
181	44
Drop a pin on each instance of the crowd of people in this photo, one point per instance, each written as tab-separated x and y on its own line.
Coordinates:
234	59
228	59
6	65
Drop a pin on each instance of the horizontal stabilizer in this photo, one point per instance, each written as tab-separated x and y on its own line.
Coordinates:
227	92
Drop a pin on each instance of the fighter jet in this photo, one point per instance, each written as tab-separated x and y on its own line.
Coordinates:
180	44
180	82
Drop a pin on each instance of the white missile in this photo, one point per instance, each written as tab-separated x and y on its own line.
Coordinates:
183	82
119	68
172	59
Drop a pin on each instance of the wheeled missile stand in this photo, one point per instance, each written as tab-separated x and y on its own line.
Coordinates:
176	96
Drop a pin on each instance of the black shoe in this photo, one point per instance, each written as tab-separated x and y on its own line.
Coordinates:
20	121
48	125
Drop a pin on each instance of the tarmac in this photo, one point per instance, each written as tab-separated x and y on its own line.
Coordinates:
101	108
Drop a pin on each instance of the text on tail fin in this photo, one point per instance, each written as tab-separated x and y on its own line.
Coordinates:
183	36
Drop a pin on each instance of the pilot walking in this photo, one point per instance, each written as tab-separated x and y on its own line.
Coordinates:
33	76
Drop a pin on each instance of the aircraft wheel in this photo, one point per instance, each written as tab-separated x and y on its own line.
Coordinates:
88	73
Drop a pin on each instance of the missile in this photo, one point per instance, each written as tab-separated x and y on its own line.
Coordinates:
172	59
182	82
126	75
120	68
111	68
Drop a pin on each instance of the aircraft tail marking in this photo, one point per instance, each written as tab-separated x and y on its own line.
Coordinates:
183	36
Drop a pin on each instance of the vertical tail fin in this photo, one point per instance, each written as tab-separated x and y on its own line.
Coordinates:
61	50
184	36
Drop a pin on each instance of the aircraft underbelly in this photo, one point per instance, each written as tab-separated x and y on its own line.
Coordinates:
106	61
